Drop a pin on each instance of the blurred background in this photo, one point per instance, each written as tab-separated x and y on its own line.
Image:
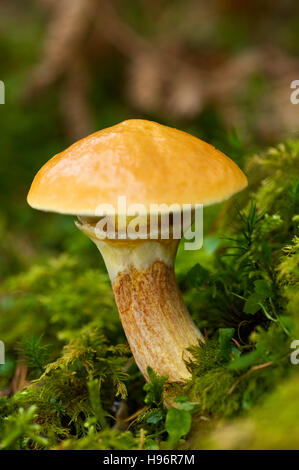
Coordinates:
220	69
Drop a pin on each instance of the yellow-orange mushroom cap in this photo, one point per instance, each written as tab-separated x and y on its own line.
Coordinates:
144	161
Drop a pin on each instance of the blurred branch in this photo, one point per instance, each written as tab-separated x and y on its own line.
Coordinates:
162	77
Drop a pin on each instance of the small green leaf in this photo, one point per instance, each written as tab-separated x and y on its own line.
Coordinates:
263	288
225	343
187	405
197	276
286	322
248	359
150	444
177	424
155	416
252	304
262	291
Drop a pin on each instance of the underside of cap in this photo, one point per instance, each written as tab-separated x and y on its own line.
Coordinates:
144	161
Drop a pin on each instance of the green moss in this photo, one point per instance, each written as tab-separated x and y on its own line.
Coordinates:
242	287
211	390
271	425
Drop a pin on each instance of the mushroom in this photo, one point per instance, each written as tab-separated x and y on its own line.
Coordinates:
147	163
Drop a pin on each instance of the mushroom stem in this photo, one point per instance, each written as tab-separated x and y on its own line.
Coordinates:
155	319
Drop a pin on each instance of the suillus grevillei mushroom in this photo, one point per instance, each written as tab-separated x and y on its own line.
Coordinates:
147	163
